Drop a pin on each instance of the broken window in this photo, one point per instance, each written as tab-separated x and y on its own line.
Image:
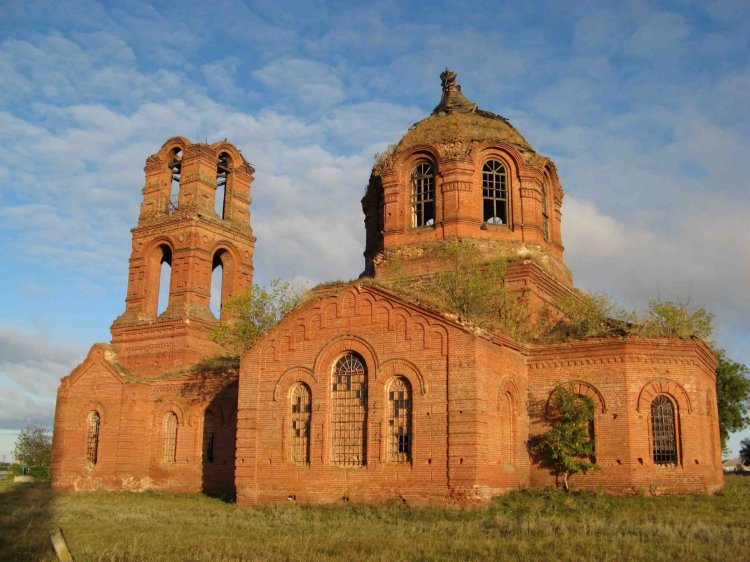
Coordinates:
423	195
170	437
222	175
209	437
92	438
349	411
494	193
663	431
399	421
175	168
301	413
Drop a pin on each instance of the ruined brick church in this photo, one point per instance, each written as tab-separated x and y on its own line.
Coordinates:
361	393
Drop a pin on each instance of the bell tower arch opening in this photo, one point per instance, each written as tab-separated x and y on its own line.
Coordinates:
175	168
192	249
223	169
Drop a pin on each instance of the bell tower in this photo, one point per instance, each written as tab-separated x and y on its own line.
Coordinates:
195	218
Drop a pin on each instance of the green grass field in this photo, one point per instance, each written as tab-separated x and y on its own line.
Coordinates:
532	525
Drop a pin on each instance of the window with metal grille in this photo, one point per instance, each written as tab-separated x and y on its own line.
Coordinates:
170	437
494	193
92	437
399	421
209	437
349	411
663	430
545	212
423	195
301	413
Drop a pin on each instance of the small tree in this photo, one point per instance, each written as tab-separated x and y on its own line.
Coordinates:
674	319
253	313
732	395
33	447
567	448
745	452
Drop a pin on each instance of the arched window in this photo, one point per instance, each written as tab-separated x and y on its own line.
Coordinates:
222	176
663	431
165	277
93	421
301	413
209	437
216	300
423	195
349	411
175	168
494	192
170	437
399	421
545	212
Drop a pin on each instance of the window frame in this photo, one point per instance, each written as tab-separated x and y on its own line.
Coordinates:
658	456
170	437
92	438
394	438
299	445
348	439
423	192
496	194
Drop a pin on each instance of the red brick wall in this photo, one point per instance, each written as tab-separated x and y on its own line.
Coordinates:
131	437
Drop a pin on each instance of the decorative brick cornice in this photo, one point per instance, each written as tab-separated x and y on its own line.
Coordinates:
451	186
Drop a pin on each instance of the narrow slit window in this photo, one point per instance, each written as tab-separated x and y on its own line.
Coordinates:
170	437
93	423
399	421
545	212
349	411
663	431
494	193
209	437
423	195
300	424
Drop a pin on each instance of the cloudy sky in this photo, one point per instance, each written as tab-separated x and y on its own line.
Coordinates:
644	108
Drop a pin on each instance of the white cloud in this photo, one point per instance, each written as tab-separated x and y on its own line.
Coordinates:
310	83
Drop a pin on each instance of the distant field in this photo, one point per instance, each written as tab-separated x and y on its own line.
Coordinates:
539	525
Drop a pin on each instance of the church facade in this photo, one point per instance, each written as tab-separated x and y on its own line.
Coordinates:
362	393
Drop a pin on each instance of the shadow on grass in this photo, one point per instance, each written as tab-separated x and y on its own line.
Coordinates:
25	522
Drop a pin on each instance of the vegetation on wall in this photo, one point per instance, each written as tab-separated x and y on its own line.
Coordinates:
256	311
567	448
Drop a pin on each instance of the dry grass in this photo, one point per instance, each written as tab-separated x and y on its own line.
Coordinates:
539	525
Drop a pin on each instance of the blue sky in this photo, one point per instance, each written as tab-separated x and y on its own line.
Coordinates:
642	105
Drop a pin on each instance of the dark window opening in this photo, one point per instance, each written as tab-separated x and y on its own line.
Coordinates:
423	195
545	212
494	193
209	437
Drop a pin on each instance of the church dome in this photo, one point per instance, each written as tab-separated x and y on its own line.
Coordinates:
458	119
